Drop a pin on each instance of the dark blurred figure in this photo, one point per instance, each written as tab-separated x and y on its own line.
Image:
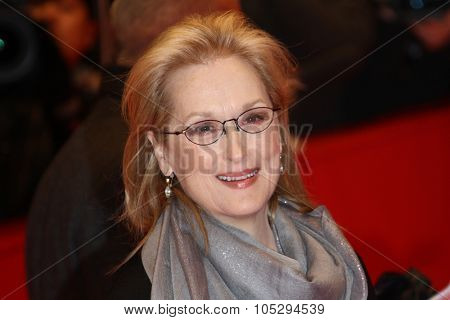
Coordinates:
73	26
26	145
327	37
45	89
71	22
411	285
410	72
72	237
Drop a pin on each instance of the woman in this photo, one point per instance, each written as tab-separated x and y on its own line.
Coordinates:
212	188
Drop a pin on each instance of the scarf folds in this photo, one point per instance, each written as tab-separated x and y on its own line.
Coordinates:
316	261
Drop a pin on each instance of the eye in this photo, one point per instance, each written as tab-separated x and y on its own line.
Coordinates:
255	117
204	128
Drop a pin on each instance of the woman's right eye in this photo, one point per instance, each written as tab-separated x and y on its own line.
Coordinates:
203	129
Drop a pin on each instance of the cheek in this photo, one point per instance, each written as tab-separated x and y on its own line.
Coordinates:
198	187
196	170
188	159
270	150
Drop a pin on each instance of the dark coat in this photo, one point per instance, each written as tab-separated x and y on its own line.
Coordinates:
72	237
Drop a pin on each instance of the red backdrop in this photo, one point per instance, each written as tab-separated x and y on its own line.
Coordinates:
388	185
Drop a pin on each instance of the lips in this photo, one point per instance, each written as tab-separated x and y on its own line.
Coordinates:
238	176
239	180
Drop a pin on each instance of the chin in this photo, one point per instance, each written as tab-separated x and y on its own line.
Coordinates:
231	198
243	207
243	202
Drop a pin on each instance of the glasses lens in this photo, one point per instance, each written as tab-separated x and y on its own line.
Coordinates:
205	132
255	120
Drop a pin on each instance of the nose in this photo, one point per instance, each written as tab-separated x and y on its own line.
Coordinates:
234	143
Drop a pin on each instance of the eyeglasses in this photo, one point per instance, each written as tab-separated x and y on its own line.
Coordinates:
207	132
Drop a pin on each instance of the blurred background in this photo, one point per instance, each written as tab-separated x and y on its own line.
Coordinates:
372	118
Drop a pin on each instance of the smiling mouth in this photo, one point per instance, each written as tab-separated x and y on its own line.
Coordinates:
239	176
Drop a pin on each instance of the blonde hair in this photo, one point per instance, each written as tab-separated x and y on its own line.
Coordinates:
197	40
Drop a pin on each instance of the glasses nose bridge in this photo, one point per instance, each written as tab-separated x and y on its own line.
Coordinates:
234	144
235	123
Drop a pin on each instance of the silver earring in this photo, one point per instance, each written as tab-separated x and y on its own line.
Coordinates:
169	181
281	164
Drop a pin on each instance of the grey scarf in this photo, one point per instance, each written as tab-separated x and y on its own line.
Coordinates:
314	260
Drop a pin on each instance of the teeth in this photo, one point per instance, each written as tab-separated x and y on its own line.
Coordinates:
227	178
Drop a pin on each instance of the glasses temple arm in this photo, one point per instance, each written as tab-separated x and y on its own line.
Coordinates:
176	132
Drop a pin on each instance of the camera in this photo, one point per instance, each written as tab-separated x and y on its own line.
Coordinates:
19	44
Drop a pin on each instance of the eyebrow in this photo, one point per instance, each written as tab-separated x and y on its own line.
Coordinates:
244	107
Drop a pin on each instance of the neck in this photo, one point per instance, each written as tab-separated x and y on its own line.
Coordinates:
256	225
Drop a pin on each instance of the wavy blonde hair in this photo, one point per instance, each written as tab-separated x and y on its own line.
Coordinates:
197	40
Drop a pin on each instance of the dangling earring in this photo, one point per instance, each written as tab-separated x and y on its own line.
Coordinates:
169	181
281	164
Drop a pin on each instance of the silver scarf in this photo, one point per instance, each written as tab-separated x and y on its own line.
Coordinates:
314	260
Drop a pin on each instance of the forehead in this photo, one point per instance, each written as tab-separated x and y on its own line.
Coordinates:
220	88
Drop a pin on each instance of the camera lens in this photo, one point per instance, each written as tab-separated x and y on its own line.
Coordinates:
17	47
9	48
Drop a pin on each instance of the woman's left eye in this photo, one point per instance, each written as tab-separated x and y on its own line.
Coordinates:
204	129
254	118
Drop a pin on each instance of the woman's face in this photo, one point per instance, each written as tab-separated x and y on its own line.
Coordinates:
220	90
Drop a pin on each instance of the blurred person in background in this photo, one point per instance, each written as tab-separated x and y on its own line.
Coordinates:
325	37
410	72
345	82
45	88
74	28
434	33
72	23
71	226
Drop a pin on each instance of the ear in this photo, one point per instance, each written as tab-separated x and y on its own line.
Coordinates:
159	151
